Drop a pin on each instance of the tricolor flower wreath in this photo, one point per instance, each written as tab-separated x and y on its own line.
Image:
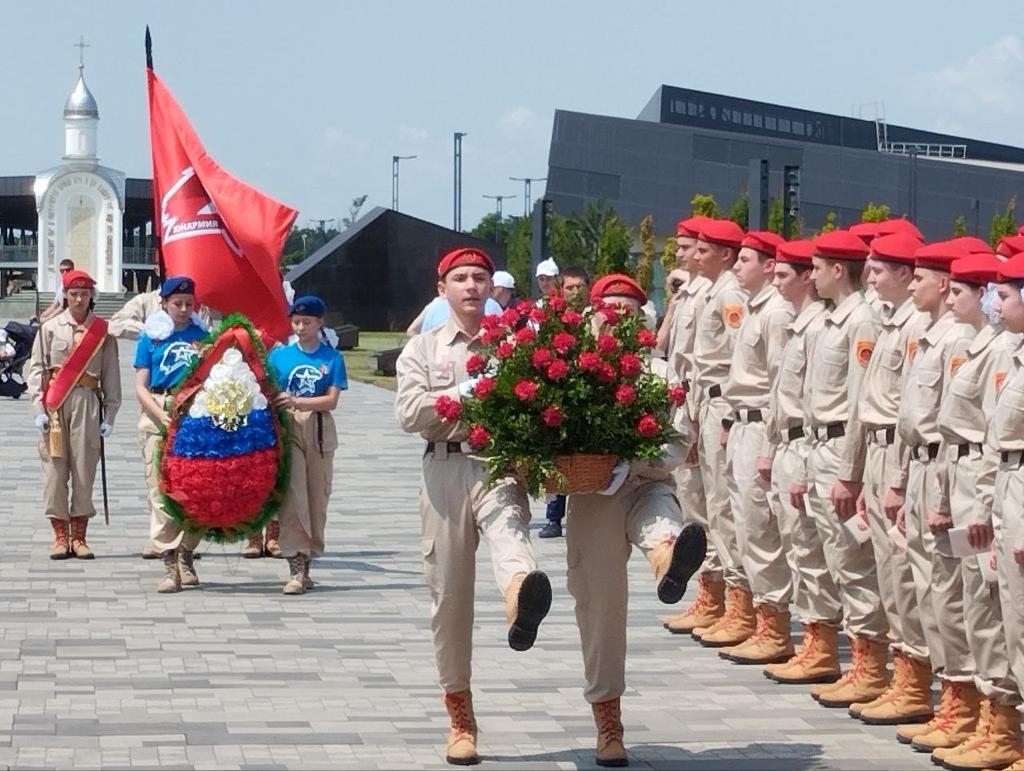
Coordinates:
224	459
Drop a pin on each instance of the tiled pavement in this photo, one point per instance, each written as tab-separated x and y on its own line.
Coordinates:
97	670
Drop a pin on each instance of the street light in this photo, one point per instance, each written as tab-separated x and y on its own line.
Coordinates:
394	177
497	200
457	182
527	198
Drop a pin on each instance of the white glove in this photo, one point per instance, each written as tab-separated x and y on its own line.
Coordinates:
106	430
43	422
619	474
466	386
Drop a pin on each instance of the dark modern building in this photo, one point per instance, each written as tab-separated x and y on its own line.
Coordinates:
379	273
686	142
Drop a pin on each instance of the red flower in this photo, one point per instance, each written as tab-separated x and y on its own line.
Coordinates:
611	316
538	315
505	350
479	436
490	321
572	318
448	409
607	344
526	335
677	395
557	303
630	365
606	373
558	369
589	361
491	335
509	317
542	357
475	364
563	341
525	390
523	307
625	394
484	386
648	426
646	337
552	416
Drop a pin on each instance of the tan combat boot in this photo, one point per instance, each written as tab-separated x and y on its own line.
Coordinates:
771	643
806	641
610	753
61	548
819	663
296	583
705	611
741	626
150	552
960	721
254	549
527	602
909	702
271	548
975	740
869	677
1001	748
906	732
172	578
675	560
893	692
187	568
79	547
462	738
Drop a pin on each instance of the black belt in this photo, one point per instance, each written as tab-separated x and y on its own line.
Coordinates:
963	450
452	447
714	392
923	451
796	432
159	391
832	431
890	433
1016	455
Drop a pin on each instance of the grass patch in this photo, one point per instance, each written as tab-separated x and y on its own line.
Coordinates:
357	360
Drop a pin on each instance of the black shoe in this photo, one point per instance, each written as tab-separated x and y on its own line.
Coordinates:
532	606
550	530
688	554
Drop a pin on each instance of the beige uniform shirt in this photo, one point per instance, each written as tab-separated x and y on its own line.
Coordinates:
876	303
684	326
839	357
786	406
432	365
755	360
879	402
719	317
940	352
54	343
1007	425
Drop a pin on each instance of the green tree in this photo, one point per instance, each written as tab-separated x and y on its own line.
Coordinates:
576	239
613	247
668	253
518	251
875	213
959	226
740	211
353	210
704	204
302	242
1004	223
645	265
775	218
830	223
488	227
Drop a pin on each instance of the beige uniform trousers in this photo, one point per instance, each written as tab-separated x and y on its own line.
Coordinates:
457	508
983	615
852	564
602	531
690	489
1009	523
815	594
164	530
303	515
80	428
721	519
757	523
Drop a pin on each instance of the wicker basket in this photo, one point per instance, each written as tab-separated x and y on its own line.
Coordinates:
584	473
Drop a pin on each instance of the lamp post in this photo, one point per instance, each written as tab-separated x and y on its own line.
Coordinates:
497	209
527	198
457	182
395	159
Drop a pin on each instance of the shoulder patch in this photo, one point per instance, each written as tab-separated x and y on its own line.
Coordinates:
998	379
911	349
863	349
955	363
732	315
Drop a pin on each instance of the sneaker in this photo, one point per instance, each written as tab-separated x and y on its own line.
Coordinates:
550	530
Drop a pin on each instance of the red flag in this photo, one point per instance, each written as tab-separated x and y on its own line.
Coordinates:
223	233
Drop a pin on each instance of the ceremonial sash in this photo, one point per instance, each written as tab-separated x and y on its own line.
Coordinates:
74	366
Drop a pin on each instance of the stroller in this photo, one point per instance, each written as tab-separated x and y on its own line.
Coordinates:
15	349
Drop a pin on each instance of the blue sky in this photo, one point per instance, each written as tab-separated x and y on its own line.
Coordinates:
309	100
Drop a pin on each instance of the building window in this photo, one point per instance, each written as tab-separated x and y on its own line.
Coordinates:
726	114
747	121
798	128
784	125
758	120
691	109
712	112
769	122
737	117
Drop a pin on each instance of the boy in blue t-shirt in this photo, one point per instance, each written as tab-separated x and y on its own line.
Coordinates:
312	376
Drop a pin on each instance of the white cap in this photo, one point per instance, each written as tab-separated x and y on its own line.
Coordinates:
504	279
547	268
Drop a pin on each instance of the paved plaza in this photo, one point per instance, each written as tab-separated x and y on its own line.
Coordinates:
98	670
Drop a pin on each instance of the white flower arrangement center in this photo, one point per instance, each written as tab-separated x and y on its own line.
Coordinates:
229	393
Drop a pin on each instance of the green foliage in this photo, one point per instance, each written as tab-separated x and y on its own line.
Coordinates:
518	249
829	225
959	226
740	211
645	265
297	248
775	216
704	204
596	240
613	248
488	228
875	213
668	253
1003	224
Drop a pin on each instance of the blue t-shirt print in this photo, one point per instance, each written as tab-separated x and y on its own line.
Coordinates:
167	360
308	374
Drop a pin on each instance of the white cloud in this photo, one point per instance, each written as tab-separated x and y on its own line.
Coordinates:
989	79
413	133
337	142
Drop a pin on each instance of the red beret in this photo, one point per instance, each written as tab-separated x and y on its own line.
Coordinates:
77	279
722	232
795	252
980	269
690	227
940	255
895	247
898	225
618	285
1012	269
464	256
763	241
840	245
1010	245
971	245
865	231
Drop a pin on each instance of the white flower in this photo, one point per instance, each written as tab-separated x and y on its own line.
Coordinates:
159	326
230	373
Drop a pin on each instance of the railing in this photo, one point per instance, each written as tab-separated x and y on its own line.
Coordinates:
19	253
925	148
27	256
138	255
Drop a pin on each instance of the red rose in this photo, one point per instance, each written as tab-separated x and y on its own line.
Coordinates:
677	395
491	335
630	364
552	416
648	426
646	337
525	390
523	307
557	303
505	350
607	344
479	436
542	357
484	386
509	317
572	318
447	409
475	364
590	361
563	341
526	335
606	372
611	316
558	369
490	321
625	394
538	315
